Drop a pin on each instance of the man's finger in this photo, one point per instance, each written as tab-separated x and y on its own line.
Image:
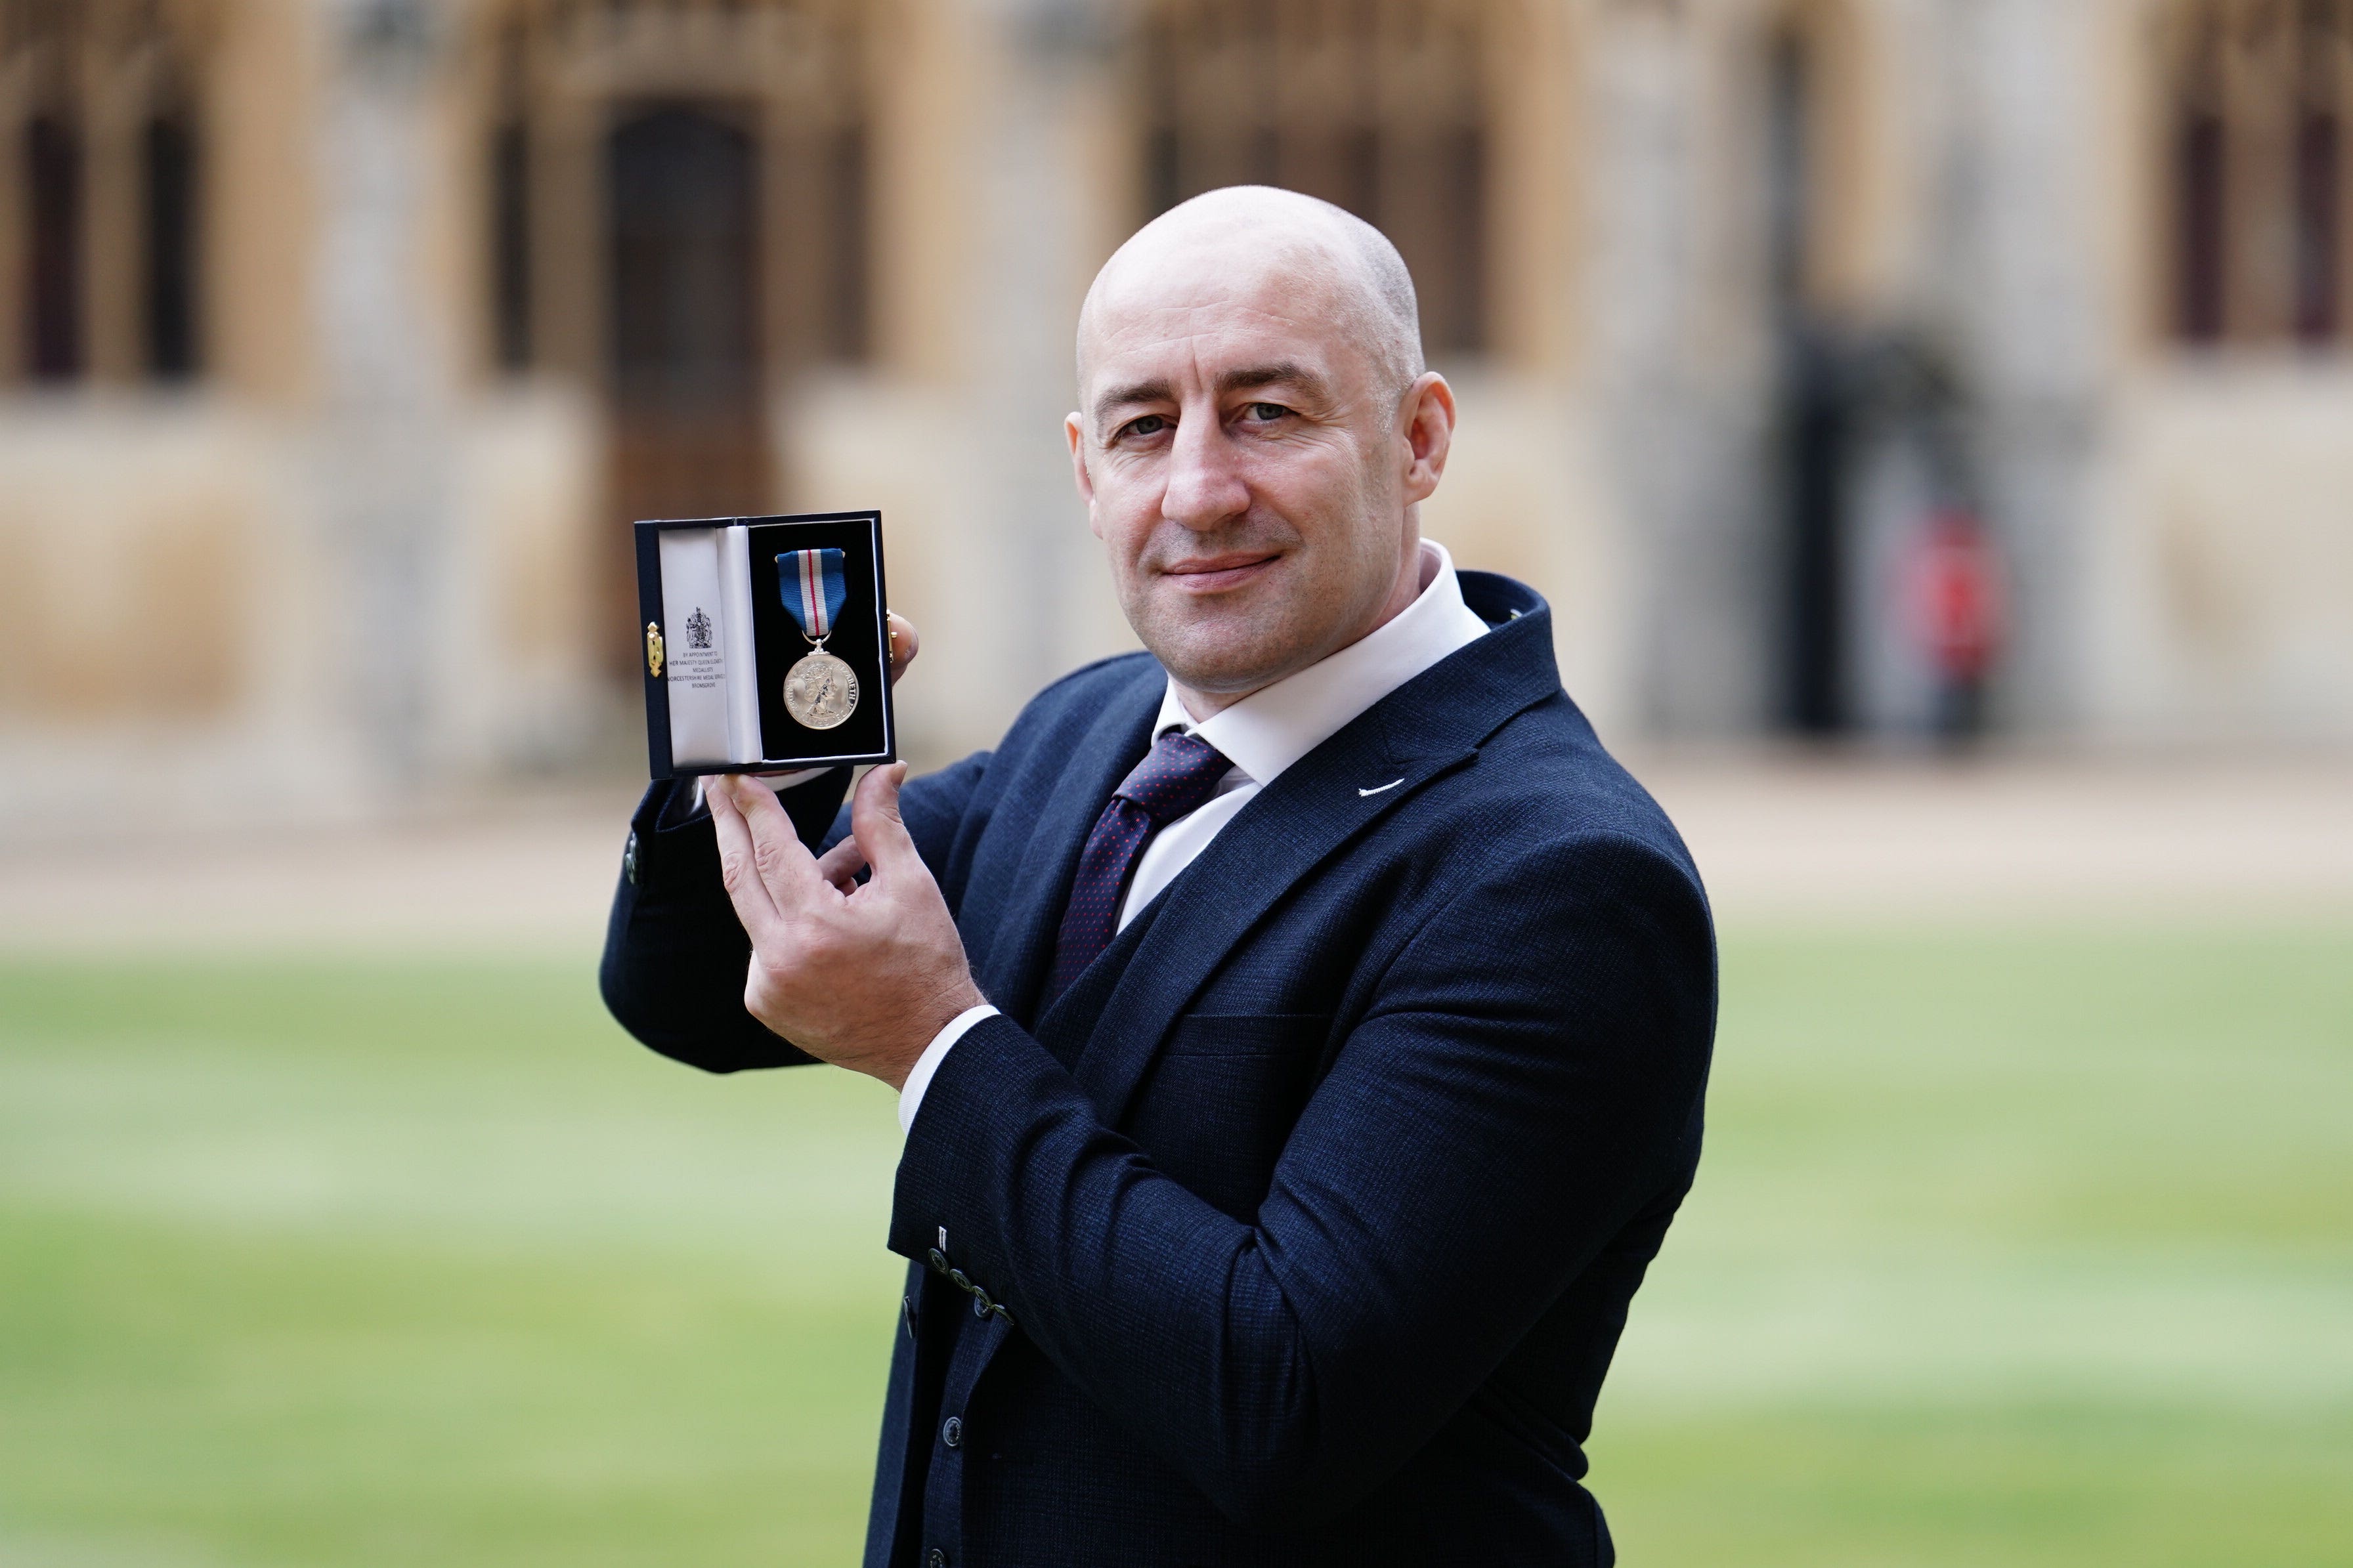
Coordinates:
874	823
739	865
904	645
842	864
784	864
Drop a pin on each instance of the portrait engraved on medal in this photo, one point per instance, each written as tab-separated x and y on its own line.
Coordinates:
820	692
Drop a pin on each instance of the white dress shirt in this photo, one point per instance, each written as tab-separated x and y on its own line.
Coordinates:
1262	736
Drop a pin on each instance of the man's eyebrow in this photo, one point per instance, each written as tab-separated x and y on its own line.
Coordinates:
1232	381
1269	375
1133	392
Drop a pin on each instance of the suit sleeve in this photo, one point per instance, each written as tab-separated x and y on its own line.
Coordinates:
675	954
1527	1080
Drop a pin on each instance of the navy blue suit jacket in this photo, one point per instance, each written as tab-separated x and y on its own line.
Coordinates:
1302	1227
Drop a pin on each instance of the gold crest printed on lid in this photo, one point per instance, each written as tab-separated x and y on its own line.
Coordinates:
653	650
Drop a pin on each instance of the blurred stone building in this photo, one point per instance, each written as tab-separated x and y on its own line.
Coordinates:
340	340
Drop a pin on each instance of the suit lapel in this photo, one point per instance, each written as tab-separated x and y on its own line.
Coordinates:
1023	943
1155	965
1333	797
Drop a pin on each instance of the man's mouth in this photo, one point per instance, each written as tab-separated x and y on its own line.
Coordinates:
1214	573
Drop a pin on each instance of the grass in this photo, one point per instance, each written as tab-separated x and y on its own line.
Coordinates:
2013	1248
2019	1249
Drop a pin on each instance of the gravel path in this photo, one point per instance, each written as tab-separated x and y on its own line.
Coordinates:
1779	838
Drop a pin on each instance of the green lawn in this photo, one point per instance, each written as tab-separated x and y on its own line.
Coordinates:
2015	1248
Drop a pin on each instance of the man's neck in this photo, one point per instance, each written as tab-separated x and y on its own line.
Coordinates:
1410	582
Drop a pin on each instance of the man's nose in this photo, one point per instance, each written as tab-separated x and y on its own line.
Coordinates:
1205	484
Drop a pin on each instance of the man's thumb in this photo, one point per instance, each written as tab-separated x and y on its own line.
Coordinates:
875	823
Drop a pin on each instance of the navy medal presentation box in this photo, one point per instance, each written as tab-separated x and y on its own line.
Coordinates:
763	642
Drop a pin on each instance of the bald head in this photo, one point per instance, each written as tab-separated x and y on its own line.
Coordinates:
1254	436
1329	258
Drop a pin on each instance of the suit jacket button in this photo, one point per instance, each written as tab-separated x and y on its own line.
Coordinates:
938	1559
952	1432
630	859
939	1260
980	1302
908	1304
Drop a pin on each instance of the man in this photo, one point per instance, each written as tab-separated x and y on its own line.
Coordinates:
1301	1030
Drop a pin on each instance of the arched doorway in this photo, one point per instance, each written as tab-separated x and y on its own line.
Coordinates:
1813	418
676	216
1815	379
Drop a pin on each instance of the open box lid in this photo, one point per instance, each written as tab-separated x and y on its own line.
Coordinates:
735	678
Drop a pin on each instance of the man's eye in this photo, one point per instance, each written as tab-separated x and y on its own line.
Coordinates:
1150	424
1266	411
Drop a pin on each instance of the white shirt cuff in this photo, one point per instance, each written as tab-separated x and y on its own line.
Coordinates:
919	1077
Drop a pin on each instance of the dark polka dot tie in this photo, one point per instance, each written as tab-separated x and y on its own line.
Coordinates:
1177	776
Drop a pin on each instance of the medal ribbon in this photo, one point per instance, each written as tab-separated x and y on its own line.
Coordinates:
813	586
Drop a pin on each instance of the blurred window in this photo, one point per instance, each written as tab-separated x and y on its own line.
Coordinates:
511	244
2261	188
510	185
846	326
1791	227
1379	106
53	224
106	141
682	204
169	186
789	73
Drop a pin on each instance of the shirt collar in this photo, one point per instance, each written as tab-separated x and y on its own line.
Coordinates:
1273	727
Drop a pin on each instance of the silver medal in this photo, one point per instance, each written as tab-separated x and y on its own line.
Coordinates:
820	692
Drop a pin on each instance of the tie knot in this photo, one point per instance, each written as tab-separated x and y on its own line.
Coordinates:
1175	777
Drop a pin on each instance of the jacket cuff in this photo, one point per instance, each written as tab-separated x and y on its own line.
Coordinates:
997	1087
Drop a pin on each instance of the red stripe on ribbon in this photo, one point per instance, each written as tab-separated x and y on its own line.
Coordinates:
813	596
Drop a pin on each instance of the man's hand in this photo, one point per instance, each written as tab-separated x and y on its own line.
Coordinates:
861	976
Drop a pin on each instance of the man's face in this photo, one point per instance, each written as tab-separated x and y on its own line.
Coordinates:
1244	463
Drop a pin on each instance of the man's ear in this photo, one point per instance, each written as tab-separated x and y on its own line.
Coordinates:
1075	431
1427	411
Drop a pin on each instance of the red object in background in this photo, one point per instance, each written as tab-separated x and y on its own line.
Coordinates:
1956	592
